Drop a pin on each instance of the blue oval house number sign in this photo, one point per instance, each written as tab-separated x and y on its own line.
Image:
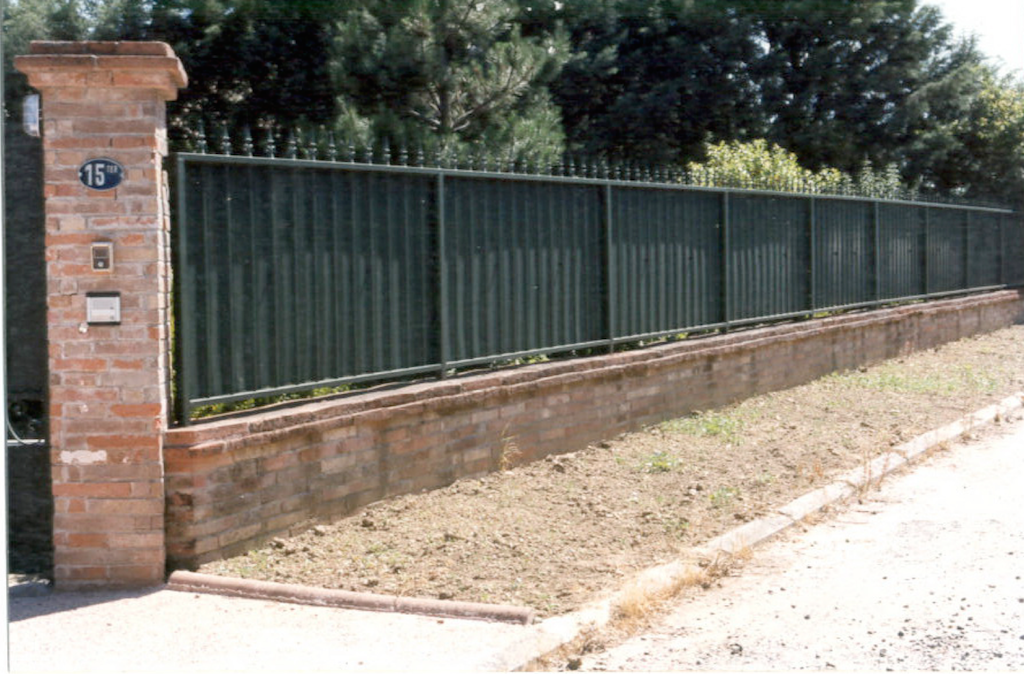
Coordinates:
101	174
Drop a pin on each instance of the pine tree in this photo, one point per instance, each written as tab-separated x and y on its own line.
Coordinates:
449	74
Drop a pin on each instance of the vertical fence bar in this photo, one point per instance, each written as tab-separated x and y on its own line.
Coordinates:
610	272
1002	250
256	269
925	251
212	289
726	285
967	249
442	281
812	255
278	299
183	306
876	237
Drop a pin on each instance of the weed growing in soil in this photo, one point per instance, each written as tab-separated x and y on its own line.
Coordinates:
659	462
723	496
890	377
715	424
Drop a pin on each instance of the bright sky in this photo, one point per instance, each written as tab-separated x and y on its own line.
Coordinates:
999	25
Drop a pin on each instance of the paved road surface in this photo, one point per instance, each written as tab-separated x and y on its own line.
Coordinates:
927	573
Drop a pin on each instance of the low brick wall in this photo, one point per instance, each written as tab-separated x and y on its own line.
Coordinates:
234	483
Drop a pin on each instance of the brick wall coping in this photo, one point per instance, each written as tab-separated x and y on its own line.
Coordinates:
123	58
226	435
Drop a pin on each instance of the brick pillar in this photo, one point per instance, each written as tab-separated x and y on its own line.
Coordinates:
108	380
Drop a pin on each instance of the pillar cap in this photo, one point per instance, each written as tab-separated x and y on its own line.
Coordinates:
145	65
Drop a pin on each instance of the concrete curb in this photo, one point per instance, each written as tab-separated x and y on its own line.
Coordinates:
548	636
187	581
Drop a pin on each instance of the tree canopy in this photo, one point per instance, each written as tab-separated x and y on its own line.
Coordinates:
835	84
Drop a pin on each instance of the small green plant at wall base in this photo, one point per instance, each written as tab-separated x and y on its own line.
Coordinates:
255	565
510	452
723	425
204	411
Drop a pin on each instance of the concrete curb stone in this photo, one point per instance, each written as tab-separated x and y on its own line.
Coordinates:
814	501
187	581
748	535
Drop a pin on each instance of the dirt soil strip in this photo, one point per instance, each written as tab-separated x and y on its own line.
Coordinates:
542	640
559	534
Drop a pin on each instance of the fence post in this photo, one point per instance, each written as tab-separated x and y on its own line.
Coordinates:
104	138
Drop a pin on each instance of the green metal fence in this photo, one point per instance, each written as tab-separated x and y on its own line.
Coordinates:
295	274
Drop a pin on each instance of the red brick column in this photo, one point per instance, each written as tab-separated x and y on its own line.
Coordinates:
108	380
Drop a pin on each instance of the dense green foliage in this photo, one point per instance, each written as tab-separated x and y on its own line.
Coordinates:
450	73
756	164
838	84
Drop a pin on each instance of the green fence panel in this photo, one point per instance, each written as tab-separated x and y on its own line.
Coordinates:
667	252
844	252
1013	250
983	249
523	266
947	262
901	253
768	257
294	274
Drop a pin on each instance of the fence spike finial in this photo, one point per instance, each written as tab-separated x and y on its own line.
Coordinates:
247	145
312	151
201	137
403	155
225	140
332	148
386	151
291	148
271	146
